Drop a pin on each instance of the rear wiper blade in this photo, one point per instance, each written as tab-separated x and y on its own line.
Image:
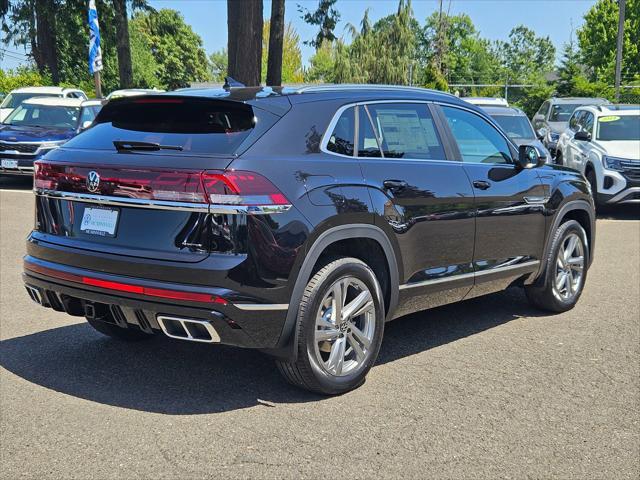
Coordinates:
125	146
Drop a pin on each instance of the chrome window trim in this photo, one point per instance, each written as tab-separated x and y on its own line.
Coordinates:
340	111
463	276
162	204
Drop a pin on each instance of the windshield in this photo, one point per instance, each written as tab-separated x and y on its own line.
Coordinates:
561	112
516	127
622	127
14	99
27	115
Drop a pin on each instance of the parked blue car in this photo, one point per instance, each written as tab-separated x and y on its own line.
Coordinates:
38	126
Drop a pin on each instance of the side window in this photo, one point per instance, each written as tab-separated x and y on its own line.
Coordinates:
341	139
88	114
587	122
367	139
478	141
574	121
544	109
406	130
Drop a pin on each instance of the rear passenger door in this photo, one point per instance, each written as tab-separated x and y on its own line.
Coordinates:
509	201
423	199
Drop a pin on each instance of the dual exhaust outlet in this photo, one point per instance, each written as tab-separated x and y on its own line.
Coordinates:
175	327
188	329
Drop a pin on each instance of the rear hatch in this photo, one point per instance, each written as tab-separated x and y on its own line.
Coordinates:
135	183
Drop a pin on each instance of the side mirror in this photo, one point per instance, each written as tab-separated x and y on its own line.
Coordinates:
541	133
530	156
86	124
582	135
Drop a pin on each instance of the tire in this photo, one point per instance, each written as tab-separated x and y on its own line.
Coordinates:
130	334
331	357
551	292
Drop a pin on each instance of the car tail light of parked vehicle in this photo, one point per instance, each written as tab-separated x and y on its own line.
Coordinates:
237	188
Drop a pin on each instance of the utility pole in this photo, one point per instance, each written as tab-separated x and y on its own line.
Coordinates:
621	5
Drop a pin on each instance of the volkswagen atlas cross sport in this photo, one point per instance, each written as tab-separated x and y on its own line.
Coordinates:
299	221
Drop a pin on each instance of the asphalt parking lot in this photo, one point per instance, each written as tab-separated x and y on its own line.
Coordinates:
483	389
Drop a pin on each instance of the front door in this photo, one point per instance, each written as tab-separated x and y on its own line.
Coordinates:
424	201
510	202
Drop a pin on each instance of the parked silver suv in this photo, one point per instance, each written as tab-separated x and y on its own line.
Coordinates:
551	118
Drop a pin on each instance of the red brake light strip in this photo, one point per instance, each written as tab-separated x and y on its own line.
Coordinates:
127	287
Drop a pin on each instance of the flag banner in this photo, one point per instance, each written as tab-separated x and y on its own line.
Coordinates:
95	52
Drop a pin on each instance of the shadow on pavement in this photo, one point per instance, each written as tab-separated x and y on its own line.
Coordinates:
181	378
16	182
619	212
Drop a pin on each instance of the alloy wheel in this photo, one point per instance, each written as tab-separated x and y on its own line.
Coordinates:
345	327
569	267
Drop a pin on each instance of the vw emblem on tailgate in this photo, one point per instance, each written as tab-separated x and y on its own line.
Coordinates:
93	181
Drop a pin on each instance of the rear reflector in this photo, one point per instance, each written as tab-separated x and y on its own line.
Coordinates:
126	287
218	187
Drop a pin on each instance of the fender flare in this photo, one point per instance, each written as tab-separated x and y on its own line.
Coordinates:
572	205
288	338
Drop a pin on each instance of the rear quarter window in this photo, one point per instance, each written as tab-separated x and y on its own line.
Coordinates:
198	126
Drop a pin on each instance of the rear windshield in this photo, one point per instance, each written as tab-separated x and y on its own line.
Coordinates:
197	126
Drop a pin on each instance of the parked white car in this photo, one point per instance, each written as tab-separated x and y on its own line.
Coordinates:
487	101
603	142
132	92
16	97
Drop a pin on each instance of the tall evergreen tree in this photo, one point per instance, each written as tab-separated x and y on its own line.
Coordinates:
326	17
244	44
276	41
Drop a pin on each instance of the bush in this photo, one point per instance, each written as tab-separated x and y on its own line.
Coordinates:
22	77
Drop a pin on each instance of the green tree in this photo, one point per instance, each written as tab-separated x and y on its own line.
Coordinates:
145	66
525	54
178	51
326	17
597	40
219	61
467	58
291	54
322	64
22	77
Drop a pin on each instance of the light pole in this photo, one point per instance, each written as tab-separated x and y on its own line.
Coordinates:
621	5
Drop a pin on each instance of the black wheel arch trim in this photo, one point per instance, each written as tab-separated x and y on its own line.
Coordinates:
286	345
559	215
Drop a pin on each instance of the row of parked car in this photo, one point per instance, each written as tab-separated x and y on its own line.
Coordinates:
591	135
36	120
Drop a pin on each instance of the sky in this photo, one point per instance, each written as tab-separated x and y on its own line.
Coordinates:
493	18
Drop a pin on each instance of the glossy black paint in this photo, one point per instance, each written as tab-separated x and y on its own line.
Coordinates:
441	235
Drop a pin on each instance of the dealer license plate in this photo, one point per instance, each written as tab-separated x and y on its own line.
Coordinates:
100	221
9	163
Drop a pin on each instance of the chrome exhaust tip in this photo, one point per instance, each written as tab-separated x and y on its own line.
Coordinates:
35	294
188	329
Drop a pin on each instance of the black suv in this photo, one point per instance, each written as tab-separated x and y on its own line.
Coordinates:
298	221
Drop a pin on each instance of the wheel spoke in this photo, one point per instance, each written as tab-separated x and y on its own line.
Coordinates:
561	281
357	306
360	336
337	302
570	248
325	335
356	347
576	261
560	262
336	357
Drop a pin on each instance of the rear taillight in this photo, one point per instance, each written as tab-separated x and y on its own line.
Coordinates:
219	187
236	187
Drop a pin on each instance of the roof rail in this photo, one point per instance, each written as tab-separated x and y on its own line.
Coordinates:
359	86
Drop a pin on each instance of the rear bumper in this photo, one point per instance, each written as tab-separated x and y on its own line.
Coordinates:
242	323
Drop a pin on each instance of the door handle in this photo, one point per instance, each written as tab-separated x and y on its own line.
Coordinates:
481	184
395	185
